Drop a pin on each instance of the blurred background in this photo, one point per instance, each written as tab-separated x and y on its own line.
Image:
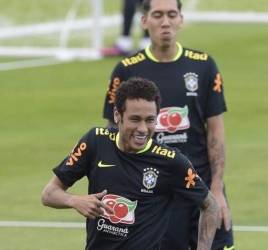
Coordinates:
52	85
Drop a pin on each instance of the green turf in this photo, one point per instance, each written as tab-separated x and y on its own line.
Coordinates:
45	110
242	58
31	11
230	5
17	12
41	238
55	239
13	13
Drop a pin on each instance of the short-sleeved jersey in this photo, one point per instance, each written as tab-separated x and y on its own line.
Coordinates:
140	188
191	90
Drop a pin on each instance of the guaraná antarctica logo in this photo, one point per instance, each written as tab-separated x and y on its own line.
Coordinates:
172	119
123	209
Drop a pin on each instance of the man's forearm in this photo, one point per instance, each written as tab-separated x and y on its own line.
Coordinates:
208	223
216	151
54	195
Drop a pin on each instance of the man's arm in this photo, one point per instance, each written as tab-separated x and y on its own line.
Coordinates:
216	154
208	222
55	195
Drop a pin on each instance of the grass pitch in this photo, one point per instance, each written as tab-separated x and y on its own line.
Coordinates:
45	110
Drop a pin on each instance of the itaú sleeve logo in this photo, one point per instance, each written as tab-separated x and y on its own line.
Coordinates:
76	154
171	119
123	209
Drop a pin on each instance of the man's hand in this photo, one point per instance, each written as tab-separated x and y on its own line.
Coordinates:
216	153
90	206
225	214
209	221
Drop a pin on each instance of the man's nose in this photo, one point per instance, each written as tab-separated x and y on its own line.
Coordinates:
142	128
165	21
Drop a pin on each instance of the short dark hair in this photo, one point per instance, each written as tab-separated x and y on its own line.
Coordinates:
146	6
136	88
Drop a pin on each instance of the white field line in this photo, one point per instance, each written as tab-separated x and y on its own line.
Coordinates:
108	21
57	56
55	27
28	64
45	224
251	228
50	224
226	17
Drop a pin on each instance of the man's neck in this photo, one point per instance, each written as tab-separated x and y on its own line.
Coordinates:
165	54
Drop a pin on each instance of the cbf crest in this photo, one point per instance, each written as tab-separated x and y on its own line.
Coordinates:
191	81
149	181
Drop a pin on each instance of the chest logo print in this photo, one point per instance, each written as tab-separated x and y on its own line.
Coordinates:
123	209
103	165
172	119
150	176
191	81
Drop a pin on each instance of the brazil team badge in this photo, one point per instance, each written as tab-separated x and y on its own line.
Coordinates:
150	176
191	81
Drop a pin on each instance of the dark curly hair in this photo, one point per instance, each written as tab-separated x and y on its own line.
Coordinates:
136	88
146	6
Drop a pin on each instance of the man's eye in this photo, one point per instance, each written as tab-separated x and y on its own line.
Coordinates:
151	120
173	14
134	119
157	15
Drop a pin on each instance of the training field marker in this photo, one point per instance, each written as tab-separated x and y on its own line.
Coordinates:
251	228
50	224
42	224
32	63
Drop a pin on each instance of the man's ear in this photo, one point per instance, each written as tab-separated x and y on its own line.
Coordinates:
116	116
143	22
181	22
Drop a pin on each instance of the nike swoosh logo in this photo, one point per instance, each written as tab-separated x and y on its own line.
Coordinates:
102	165
229	248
